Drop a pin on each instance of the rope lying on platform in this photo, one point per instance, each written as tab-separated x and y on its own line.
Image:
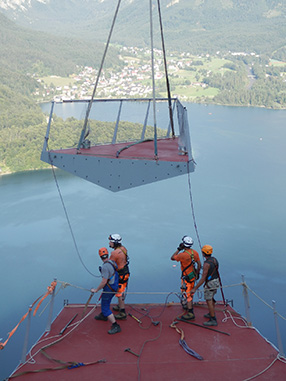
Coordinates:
58	338
183	343
68	365
280	358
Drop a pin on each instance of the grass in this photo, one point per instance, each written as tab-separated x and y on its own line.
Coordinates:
193	92
58	81
277	63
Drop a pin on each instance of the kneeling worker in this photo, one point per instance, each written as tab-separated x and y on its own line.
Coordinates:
109	285
210	277
190	266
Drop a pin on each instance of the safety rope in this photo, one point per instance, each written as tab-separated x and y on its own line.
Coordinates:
51	289
174	293
278	357
67	216
58	338
131	145
37	302
67	365
192	205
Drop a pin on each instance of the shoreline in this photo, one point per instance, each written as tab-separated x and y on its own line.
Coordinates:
184	100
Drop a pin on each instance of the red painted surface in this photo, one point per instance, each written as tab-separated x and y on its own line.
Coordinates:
167	150
237	356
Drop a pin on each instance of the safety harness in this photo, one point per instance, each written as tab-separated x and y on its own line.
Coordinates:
192	275
115	276
125	270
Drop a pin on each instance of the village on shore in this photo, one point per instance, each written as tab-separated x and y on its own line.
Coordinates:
133	78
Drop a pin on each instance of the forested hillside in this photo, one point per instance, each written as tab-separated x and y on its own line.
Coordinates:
71	36
197	26
23	53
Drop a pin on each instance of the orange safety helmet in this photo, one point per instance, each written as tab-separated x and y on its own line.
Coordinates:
103	251
207	249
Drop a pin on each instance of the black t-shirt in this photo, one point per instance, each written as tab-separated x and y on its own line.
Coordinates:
213	269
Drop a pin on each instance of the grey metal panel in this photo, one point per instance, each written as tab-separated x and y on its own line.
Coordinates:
117	174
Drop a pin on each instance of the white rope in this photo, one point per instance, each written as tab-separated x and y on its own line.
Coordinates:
263	301
278	357
65	284
264	370
224	320
31	359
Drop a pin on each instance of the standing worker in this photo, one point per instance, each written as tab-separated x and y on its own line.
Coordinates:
120	257
109	285
211	278
190	266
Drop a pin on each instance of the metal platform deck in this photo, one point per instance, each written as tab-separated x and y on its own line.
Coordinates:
230	351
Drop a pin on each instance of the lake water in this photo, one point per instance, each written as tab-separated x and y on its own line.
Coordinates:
238	190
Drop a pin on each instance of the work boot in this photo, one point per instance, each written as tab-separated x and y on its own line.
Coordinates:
208	316
188	316
101	317
121	315
116	308
115	328
212	322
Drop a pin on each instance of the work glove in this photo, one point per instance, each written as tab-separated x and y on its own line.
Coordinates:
181	246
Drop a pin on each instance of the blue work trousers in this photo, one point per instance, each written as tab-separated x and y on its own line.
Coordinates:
106	300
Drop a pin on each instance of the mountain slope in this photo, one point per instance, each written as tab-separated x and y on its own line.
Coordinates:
23	53
193	25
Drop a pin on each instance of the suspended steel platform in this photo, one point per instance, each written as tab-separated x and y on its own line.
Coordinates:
122	165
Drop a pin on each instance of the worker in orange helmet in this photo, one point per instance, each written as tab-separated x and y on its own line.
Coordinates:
210	277
109	285
190	266
120	257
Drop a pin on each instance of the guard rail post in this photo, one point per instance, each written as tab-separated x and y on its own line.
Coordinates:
246	302
26	340
279	340
49	322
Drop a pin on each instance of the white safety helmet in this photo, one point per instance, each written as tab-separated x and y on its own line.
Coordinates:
116	238
187	241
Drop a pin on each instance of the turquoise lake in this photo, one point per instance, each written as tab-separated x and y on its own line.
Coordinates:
238	190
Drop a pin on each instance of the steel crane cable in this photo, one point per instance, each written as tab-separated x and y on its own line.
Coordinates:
166	72
83	132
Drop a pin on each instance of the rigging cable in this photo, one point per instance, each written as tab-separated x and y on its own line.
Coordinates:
67	217
83	132
153	82
166	72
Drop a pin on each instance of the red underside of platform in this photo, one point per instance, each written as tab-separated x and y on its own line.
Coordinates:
237	356
167	151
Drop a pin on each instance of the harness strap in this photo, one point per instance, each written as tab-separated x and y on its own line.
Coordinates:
192	263
124	251
114	265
